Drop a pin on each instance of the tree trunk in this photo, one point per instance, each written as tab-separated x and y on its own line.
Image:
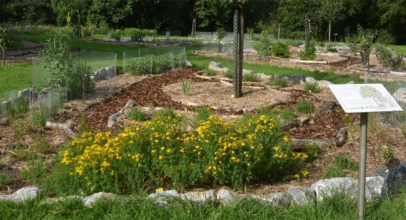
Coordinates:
4	57
329	31
241	53
279	31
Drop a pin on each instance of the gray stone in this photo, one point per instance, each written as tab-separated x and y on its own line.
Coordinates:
382	172
341	136
226	196
373	188
5	104
207	196
325	83
400	95
303	120
22	194
296	79
350	82
104	74
274	199
262	75
287	125
113	118
301	196
330	187
88	201
188	64
323	143
244	71
26	93
225	69
216	65
311	80
63	199
164	197
395	179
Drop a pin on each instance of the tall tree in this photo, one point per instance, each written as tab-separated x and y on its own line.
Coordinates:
393	16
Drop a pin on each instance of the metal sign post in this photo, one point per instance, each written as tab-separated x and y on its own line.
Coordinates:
364	98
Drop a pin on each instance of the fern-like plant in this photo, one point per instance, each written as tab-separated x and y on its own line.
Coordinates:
185	86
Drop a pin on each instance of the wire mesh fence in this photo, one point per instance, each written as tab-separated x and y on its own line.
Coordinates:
14	103
153	60
46	105
87	75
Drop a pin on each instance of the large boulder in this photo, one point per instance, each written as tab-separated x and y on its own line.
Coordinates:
104	74
226	196
22	194
273	199
329	187
311	80
301	196
373	188
400	95
203	197
26	93
163	198
88	201
244	71
296	79
325	83
217	67
188	64
394	178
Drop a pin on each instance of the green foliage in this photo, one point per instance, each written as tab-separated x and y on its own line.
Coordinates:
201	114
280	50
345	163
136	115
88	31
311	87
116	35
152	64
166	113
331	49
333	172
250	32
287	114
251	77
220	35
228	74
186	86
309	53
277	81
4	178
34	170
388	154
387	59
384	37
210	72
305	107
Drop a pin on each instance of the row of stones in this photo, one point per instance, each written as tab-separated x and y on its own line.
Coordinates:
382	183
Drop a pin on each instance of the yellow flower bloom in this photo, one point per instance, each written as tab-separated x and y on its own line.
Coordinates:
276	148
162	148
112	173
88	183
286	138
153	151
297	176
160	157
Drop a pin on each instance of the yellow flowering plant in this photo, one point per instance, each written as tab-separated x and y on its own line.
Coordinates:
162	152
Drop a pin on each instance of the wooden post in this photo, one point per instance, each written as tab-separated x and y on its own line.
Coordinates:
33	68
84	83
115	72
279	32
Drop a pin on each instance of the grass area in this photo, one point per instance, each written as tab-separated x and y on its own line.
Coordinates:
399	49
331	208
19	76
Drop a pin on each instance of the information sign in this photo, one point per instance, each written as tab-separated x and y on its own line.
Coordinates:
359	98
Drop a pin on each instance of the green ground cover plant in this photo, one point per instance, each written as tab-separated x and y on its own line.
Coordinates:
305	107
136	115
228	74
250	77
309	52
210	72
277	81
311	87
186	86
341	163
153	64
280	50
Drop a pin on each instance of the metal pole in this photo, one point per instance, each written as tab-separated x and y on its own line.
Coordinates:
279	31
84	83
241	55
124	62
235	56
79	30
329	31
362	164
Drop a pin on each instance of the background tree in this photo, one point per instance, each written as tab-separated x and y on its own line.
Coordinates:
220	35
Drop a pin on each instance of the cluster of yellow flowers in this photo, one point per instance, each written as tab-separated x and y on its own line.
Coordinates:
215	151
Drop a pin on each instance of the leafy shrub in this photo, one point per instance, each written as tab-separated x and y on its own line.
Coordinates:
4	178
384	37
280	50
166	113
277	81
152	64
287	114
201	114
250	77
305	107
210	72
228	74
309	53
311	87
88	31
388	154
136	115
331	49
103	28
116	35
387	59
160	152
345	163
333	172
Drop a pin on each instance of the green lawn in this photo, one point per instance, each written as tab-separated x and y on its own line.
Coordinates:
399	49
20	76
331	208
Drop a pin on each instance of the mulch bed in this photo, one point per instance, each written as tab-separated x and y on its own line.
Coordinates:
149	93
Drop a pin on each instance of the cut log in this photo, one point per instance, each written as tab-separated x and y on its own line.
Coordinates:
66	128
